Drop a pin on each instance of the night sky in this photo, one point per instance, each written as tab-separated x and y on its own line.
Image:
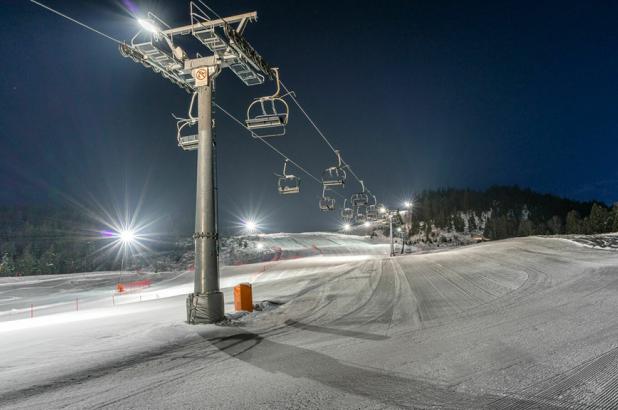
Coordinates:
416	94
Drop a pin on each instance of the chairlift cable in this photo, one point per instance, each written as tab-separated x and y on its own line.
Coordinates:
300	107
293	97
76	21
217	105
236	120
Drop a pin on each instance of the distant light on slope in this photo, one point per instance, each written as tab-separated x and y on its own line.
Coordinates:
250	226
126	236
259	246
367	224
346	227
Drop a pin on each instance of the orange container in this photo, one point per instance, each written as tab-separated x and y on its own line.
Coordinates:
243	297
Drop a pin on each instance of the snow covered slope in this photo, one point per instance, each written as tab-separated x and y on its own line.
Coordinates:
21	297
526	323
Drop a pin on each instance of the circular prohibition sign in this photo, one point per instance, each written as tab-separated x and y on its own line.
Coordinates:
201	74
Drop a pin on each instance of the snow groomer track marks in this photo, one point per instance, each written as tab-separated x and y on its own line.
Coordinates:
518	324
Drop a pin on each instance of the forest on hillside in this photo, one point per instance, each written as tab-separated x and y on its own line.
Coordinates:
508	211
48	240
38	240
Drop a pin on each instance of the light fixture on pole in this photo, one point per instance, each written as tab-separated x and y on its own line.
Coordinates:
148	25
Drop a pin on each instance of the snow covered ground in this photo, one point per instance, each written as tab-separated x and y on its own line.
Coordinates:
521	323
601	241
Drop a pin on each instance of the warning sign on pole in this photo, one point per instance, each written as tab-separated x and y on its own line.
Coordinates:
201	76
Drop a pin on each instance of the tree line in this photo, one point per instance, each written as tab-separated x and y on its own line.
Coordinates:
508	211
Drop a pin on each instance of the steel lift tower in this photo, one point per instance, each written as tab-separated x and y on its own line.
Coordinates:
155	46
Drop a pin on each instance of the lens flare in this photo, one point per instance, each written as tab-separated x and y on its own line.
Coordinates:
126	236
148	25
251	226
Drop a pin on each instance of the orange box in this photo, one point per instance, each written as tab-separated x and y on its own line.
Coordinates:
243	297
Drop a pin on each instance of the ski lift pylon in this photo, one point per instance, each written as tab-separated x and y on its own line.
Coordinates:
287	183
268	116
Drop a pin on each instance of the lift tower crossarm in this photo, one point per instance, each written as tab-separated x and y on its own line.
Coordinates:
239	18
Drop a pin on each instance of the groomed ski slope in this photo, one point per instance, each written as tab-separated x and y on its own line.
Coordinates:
521	323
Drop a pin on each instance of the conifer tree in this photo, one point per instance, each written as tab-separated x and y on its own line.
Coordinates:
573	223
7	266
598	219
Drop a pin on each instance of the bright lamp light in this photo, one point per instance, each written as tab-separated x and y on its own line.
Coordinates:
367	224
148	25
250	225
346	227
126	236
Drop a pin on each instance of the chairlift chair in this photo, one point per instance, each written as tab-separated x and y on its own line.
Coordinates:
334	176
372	210
268	116
326	203
372	213
347	213
187	142
360	198
287	183
360	216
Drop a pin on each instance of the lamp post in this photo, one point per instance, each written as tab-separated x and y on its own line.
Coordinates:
390	220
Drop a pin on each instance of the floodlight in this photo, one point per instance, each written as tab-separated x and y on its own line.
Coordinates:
259	246
250	226
367	224
148	25
346	227
399	229
407	204
382	210
126	236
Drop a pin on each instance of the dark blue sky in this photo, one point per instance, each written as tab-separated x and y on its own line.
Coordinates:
416	95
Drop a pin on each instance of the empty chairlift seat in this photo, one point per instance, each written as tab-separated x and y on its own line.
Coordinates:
287	183
268	116
347	214
359	199
334	176
326	203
